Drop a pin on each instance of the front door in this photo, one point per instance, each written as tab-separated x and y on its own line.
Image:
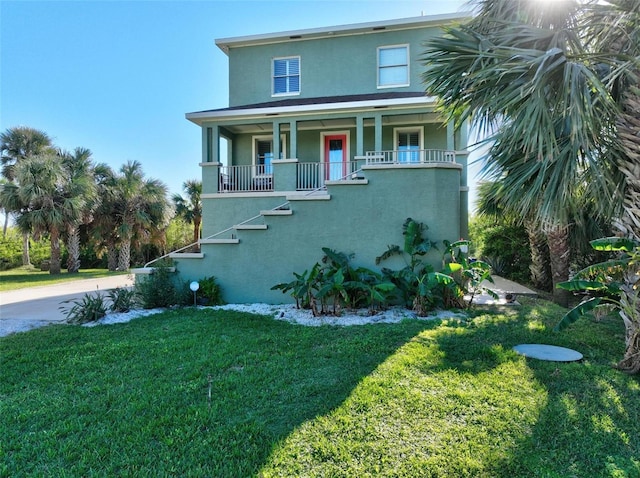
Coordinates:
335	156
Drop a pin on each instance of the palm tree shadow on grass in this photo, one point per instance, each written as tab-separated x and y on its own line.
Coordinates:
148	383
589	414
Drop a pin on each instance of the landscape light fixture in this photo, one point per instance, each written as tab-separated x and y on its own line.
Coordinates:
194	286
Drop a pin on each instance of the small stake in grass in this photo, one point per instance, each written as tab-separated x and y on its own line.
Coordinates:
209	395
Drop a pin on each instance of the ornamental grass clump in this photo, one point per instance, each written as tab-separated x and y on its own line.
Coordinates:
90	308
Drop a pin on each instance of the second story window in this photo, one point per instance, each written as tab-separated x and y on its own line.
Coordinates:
393	66
286	76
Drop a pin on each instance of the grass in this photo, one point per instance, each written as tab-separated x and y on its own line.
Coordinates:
415	399
23	277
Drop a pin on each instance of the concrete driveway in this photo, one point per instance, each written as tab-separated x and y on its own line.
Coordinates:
25	309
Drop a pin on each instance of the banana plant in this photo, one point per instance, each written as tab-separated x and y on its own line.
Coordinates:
469	276
613	283
304	288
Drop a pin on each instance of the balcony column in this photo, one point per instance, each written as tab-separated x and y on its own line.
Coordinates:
211	144
378	132
293	139
451	146
359	136
276	140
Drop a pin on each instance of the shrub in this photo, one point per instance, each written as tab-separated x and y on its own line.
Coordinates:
505	246
159	290
88	309
210	290
122	300
11	250
338	284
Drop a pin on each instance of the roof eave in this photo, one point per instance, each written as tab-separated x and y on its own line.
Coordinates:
201	116
351	29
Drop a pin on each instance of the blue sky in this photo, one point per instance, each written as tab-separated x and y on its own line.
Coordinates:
117	77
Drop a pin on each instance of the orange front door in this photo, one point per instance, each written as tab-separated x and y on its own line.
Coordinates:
335	156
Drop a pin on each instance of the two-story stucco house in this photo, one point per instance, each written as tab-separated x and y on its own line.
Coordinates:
329	140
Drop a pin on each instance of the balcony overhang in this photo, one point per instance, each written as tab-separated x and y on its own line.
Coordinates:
269	112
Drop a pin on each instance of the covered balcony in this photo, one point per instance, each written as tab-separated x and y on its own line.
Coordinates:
290	174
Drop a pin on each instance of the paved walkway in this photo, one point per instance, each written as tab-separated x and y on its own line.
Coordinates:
25	309
503	287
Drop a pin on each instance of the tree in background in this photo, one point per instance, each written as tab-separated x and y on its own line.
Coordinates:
190	207
17	144
79	169
140	207
52	199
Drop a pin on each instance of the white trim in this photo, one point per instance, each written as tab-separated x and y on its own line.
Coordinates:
393	85
186	255
273	76
265	137
413	166
408	129
340	30
252	194
417	101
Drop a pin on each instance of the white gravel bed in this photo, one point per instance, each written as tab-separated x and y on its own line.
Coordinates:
289	313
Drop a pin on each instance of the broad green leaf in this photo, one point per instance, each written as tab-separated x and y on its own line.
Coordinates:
577	285
606	268
614	244
577	312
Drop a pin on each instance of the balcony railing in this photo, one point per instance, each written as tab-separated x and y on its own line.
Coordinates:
312	176
416	156
252	178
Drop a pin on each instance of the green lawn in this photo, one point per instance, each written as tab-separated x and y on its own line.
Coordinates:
420	398
23	277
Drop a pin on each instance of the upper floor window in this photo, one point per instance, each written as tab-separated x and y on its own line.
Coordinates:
393	66
286	76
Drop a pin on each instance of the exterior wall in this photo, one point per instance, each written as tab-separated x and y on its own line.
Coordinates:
331	66
359	218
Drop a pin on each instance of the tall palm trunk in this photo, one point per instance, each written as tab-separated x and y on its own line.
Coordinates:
73	248
629	133
540	267
196	232
559	251
26	259
124	256
55	251
112	256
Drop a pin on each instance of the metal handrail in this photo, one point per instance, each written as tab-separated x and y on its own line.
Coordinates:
286	203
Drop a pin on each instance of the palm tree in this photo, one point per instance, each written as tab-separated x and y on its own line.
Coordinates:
54	199
104	227
491	203
190	208
16	144
141	206
79	169
522	72
615	34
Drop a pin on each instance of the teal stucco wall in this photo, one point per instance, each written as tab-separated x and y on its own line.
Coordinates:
330	66
359	218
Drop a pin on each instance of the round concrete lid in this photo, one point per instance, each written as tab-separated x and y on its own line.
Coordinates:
551	353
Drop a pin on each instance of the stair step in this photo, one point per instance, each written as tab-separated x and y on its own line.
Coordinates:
309	197
277	212
219	241
250	227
